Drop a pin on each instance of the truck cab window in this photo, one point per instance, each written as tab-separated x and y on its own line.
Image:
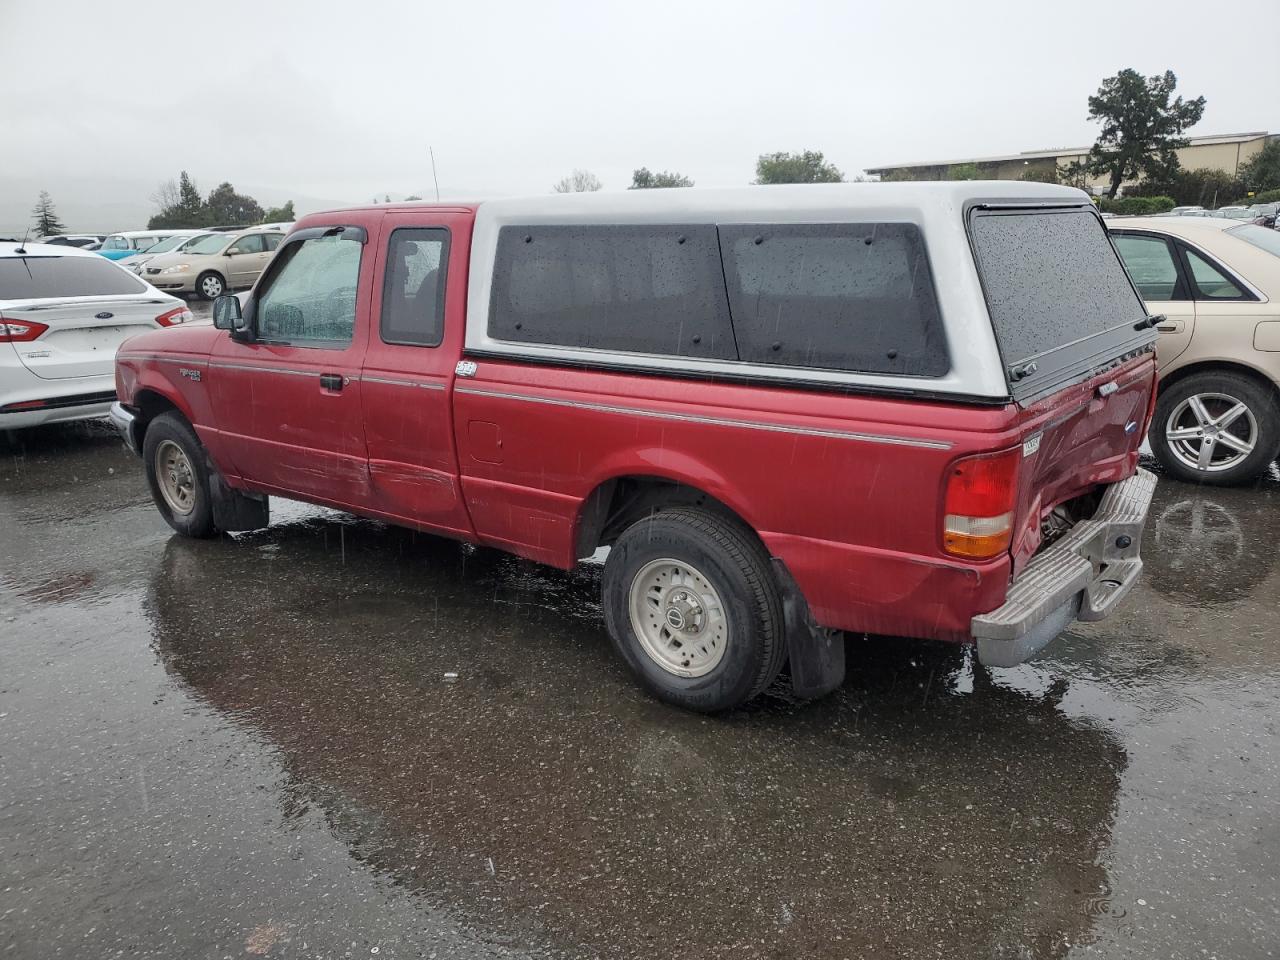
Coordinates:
312	297
413	289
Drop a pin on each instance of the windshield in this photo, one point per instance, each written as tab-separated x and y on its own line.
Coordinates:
1236	213
165	245
211	244
37	278
1260	237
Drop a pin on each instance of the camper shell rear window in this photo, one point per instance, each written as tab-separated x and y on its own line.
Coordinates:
1060	301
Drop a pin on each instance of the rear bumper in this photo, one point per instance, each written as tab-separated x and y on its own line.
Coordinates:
1082	576
125	421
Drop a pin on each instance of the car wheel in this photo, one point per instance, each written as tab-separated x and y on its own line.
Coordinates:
1216	428
210	286
178	476
692	606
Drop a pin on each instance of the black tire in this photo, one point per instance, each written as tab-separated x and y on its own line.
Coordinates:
737	567
172	428
215	279
1260	400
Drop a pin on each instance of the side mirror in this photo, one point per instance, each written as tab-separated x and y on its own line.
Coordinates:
227	314
231	253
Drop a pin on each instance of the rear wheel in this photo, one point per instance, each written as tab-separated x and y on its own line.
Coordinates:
691	604
210	286
177	475
1216	428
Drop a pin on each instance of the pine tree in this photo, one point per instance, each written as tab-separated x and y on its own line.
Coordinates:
46	218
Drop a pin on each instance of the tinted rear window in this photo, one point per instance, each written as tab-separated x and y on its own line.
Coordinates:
1056	290
855	297
653	289
38	278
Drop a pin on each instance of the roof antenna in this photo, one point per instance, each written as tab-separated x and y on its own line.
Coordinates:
22	247
432	151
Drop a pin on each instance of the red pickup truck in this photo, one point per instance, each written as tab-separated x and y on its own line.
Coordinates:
907	409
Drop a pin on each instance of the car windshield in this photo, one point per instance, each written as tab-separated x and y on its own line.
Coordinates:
1260	237
165	245
38	278
213	243
1236	213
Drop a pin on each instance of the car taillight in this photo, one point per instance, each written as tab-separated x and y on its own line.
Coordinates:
20	331
979	505
175	316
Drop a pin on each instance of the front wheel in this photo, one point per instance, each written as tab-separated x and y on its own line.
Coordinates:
210	286
691	604
1216	428
177	475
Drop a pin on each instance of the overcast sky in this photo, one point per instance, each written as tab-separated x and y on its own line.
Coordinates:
340	100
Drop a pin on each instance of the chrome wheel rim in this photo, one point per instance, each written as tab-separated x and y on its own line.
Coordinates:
1211	432
211	286
177	479
678	617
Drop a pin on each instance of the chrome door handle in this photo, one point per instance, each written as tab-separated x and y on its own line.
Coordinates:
331	381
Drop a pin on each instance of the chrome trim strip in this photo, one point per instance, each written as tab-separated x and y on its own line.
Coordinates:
260	369
403	383
184	361
715	421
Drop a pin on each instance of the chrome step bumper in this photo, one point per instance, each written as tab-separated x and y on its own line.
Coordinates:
1081	577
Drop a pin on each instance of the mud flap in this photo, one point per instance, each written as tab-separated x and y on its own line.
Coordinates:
233	510
815	654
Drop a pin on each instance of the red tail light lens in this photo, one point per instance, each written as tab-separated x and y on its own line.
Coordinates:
175	316
979	506
20	331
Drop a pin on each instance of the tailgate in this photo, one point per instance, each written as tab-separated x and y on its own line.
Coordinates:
83	333
1077	439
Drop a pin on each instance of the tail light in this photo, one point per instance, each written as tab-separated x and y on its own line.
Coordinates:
20	331
979	505
175	316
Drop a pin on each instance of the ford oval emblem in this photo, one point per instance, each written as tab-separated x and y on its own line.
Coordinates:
104	315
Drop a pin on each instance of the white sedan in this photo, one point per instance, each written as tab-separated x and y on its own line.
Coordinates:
63	312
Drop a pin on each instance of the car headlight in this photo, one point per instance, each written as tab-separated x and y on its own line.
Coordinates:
177	268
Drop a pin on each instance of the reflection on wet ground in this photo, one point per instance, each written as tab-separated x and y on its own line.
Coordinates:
258	745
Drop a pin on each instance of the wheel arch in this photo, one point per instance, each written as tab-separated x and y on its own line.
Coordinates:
1219	365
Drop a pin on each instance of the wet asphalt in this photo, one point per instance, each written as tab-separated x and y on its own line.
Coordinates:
257	746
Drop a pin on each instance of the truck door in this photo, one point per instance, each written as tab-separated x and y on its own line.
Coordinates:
287	393
407	379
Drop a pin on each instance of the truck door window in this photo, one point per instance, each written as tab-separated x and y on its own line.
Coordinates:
413	288
311	299
852	296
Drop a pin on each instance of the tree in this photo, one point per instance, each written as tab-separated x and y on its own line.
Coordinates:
580	181
807	167
226	207
1074	174
46	218
1262	170
964	171
283	214
180	205
1039	174
1141	127
643	179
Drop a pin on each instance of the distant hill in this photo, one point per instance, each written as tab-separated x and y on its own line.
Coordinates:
106	205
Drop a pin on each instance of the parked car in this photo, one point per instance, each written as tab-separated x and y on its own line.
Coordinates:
1233	213
83	240
117	246
1264	214
63	312
215	264
1188	211
1216	283
180	240
783	409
